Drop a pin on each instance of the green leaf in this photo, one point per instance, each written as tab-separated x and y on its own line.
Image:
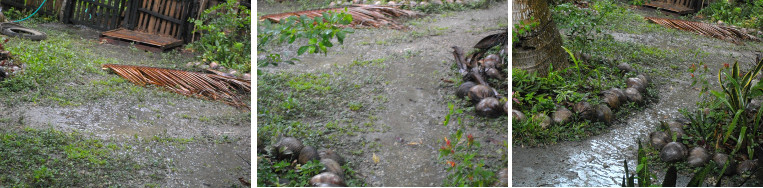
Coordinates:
699	177
733	125
340	37
302	50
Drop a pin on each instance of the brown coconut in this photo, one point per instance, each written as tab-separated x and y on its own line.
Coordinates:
518	115
659	139
673	152
307	154
288	147
543	120
720	159
330	154
604	114
327	179
561	116
633	95
479	92
626	67
746	166
495	74
583	109
698	156
333	167
636	83
488	107
614	97
644	79
463	90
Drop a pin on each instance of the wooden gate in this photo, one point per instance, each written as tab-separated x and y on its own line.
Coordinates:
98	14
160	17
50	8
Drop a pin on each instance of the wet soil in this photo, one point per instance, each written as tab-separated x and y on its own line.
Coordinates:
598	161
214	147
416	60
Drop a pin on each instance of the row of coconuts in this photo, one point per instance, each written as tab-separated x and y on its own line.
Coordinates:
332	176
675	151
218	69
397	3
611	99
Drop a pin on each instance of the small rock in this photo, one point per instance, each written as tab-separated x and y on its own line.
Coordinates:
543	120
633	95
449	1
391	3
604	114
518	115
562	116
698	157
332	4
673	152
437	2
423	3
659	139
377	3
626	67
214	65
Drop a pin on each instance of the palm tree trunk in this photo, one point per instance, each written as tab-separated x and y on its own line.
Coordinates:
542	46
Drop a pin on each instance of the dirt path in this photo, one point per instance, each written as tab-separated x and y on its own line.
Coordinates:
186	142
416	59
598	161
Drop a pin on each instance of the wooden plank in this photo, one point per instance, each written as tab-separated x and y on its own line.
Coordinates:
151	39
161	22
173	13
157	15
143	17
152	22
166	26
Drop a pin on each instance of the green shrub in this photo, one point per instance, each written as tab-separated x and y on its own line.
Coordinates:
225	35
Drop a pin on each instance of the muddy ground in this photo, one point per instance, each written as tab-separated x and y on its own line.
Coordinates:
415	101
598	161
189	142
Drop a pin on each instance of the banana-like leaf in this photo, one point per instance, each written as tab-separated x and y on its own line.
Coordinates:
206	86
362	15
721	32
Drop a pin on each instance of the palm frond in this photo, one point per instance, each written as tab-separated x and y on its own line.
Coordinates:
721	32
362	15
206	86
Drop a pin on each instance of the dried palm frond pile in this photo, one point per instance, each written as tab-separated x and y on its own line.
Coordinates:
206	86
721	32
362	15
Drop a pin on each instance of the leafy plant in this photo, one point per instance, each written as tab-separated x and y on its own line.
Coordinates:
318	31
225	35
748	15
463	169
522	28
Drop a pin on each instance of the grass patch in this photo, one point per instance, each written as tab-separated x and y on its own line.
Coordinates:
50	158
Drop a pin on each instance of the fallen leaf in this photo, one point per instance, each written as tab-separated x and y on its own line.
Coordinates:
375	158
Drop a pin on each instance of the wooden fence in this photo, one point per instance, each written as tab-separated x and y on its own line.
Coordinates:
51	7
